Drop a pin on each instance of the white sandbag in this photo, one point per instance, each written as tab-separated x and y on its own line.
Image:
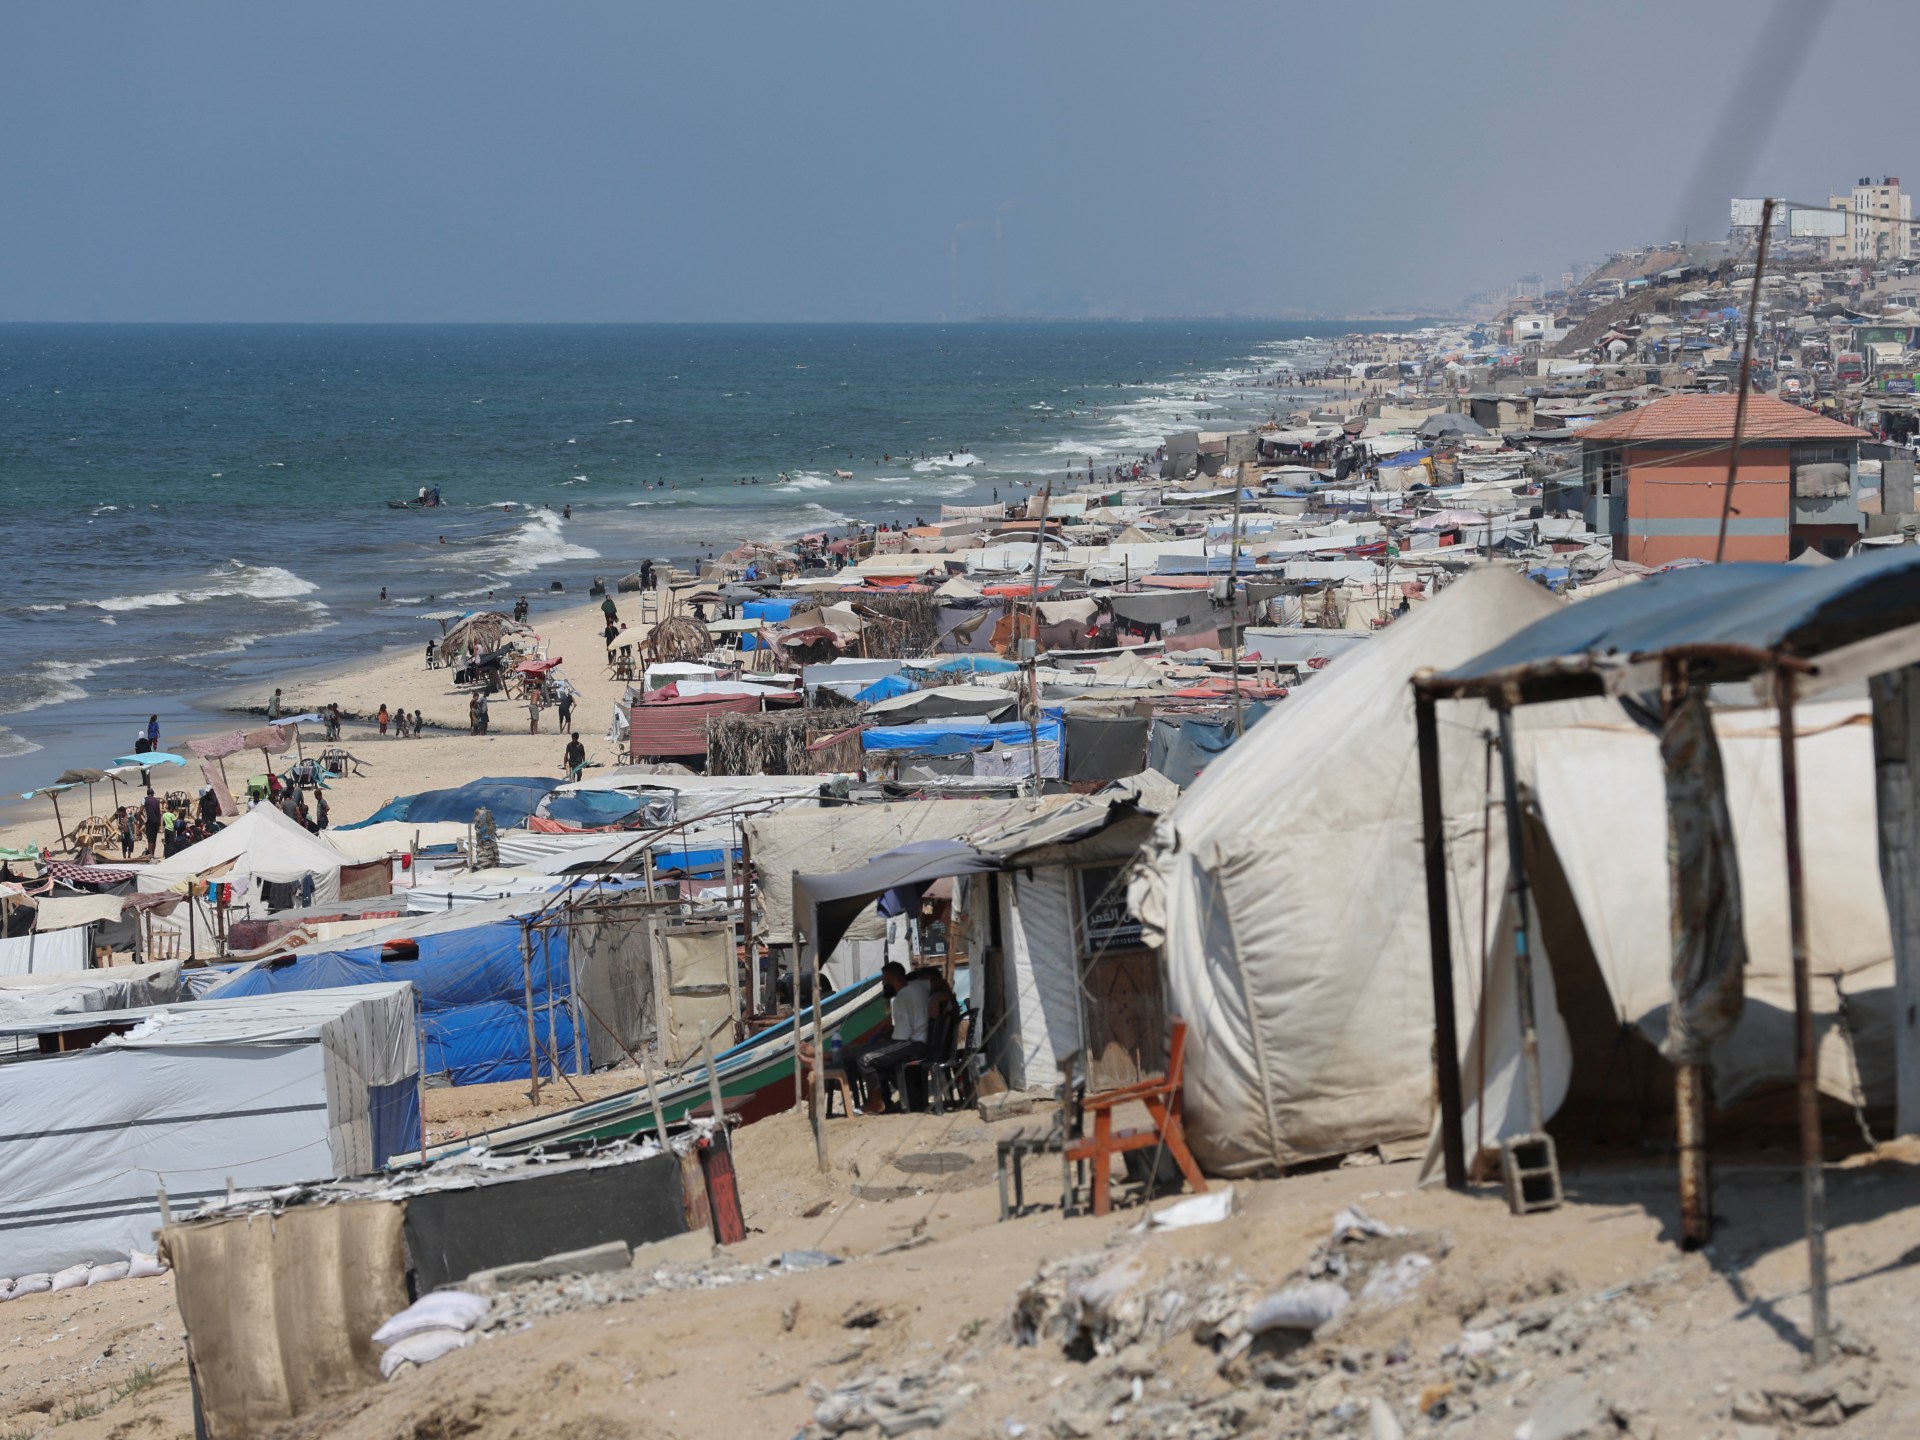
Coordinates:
101	1274
422	1347
71	1278
141	1265
32	1285
1298	1307
441	1310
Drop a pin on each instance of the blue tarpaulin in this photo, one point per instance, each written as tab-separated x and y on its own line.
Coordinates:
511	799
971	665
472	995
1405	457
591	807
773	612
950	736
698	864
885	688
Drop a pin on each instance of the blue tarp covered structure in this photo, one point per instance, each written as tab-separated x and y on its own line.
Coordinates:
773	612
471	991
511	799
587	808
950	736
885	688
971	665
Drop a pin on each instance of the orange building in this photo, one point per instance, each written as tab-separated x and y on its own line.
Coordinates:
1656	480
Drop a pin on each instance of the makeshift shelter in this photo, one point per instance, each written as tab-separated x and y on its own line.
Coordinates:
25	999
193	1099
1287	893
511	798
262	860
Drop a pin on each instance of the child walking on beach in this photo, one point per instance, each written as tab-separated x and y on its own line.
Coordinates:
383	717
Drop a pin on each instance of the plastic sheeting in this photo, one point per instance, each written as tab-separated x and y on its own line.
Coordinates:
1289	892
471	987
60	952
28	999
510	798
953	735
198	1096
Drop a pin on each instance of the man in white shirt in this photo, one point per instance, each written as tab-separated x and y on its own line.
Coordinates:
879	1063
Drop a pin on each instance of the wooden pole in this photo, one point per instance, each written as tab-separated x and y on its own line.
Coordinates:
1233	613
526	985
1746	384
1033	659
1522	925
1446	1035
653	1098
713	1083
1896	740
1689	1080
1813	1177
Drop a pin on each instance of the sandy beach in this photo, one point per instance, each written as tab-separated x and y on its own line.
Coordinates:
446	755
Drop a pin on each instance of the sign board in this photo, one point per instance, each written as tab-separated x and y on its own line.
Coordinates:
1825	224
1746	213
1107	923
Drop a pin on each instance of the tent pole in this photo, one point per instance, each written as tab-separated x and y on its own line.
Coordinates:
1689	1079
1814	1191
1440	938
1522	936
526	988
1032	659
1896	726
1233	610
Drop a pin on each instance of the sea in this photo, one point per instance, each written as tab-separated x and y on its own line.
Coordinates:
197	510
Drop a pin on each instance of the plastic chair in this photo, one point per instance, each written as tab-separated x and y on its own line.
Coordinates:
1161	1096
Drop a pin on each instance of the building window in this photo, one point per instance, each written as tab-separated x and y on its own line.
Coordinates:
1822	471
1605	469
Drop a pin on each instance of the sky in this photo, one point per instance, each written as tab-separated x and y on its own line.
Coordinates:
595	161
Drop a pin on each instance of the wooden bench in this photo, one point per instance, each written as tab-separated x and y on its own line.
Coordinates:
1161	1096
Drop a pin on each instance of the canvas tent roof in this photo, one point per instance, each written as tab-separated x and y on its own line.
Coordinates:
1289	893
262	843
1857	616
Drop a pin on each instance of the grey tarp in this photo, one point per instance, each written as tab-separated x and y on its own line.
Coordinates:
1709	947
826	905
1101	747
1162	607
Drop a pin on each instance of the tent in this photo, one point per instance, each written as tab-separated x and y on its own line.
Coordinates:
510	798
469	970
1436	426
261	848
1288	893
194	1099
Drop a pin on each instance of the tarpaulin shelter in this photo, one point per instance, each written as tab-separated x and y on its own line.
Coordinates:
511	798
262	848
1286	893
472	970
197	1098
1792	632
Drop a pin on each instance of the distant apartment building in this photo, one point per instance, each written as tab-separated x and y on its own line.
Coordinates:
1877	222
1656	481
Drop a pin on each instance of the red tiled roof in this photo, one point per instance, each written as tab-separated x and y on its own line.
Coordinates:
1710	417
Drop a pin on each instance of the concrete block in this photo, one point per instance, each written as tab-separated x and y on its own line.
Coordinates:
614	1255
1005	1107
687	1249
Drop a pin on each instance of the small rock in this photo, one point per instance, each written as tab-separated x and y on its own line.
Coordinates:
1569	1411
1381	1424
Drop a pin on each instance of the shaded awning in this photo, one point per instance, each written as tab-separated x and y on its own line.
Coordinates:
825	906
1851	619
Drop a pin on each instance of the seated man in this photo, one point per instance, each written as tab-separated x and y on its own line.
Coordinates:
878	1063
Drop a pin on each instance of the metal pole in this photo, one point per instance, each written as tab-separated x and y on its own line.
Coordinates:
526	987
1233	614
1814	1188
1033	660
1746	383
1522	903
1446	1036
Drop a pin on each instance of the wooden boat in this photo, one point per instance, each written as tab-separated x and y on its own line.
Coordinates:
756	1080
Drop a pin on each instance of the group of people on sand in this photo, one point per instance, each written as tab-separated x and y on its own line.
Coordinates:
405	727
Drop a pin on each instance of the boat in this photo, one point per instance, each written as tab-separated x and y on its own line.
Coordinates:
756	1080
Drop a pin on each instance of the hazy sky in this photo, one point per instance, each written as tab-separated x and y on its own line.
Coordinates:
824	161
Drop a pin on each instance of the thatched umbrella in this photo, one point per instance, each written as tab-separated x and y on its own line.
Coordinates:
83	775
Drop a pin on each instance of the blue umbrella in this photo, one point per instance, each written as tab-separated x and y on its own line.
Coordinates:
150	759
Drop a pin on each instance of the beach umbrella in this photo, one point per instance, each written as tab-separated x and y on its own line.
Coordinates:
83	776
53	793
150	759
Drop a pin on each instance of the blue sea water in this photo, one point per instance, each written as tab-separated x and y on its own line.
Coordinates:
192	508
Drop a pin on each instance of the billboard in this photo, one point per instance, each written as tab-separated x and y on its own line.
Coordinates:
1746	213
1827	224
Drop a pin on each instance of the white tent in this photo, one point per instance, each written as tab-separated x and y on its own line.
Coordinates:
263	847
1288	891
262	1091
1601	794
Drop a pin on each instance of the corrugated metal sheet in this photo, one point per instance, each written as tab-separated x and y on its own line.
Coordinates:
665	731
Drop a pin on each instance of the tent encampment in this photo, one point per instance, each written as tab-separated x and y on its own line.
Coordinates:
262	847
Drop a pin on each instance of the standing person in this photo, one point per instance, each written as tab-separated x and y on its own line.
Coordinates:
123	821
153	732
209	806
566	710
319	809
473	713
273	708
150	816
574	760
609	609
419	723
485	714
533	712
169	827
383	717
